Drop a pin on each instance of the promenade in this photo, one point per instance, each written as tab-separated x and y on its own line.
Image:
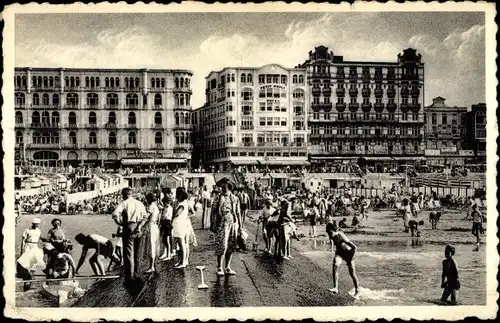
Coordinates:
261	280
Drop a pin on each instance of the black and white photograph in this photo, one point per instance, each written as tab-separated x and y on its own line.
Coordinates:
281	161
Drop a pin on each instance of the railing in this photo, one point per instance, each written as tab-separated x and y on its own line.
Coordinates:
71	106
91	107
46	106
157	126
45	125
46	145
157	107
71	146
158	147
111	106
131	126
70	125
110	125
131	107
91	125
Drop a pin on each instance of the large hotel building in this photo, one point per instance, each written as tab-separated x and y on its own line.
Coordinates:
103	116
325	109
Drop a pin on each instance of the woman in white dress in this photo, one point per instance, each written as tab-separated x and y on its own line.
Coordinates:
154	231
180	227
31	255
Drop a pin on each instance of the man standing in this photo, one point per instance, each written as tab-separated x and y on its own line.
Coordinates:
244	204
131	214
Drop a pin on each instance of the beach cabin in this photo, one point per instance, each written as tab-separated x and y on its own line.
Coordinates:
60	181
44	181
30	183
95	183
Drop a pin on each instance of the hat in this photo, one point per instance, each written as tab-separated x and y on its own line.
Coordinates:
36	221
48	246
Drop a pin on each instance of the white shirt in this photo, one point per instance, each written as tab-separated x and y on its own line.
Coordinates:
134	208
32	235
205	195
154	213
168	212
267	212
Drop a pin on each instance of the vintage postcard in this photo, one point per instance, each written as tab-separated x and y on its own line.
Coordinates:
250	161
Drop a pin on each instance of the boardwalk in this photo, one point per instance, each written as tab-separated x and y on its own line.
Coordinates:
260	281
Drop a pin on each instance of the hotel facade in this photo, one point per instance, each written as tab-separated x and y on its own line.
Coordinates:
253	116
324	110
102	117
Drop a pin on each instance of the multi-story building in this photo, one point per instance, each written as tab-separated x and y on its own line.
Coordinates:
103	116
254	115
476	128
445	133
369	109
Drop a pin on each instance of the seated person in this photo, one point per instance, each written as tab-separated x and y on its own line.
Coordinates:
343	224
355	221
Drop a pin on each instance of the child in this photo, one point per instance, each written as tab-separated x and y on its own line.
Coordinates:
449	278
477	223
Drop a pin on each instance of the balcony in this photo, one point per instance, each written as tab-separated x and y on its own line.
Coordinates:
327	91
110	125
391	107
157	107
131	107
316	90
46	106
366	107
112	146
92	126
391	92
379	93
157	147
415	107
91	146
130	126
353	107
247	127
405	92
378	107
131	146
340	107
405	108
353	92
157	126
20	106
43	146
91	107
415	92
45	125
186	89
111	107
71	146
321	106
182	127
71	106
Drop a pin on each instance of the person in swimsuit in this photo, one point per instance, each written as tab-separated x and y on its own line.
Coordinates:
449	277
61	264
477	223
57	237
266	213
103	247
344	250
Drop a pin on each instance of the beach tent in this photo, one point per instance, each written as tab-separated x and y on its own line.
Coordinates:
44	180
58	178
31	183
95	183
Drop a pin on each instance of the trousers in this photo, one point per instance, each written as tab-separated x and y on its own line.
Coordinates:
131	251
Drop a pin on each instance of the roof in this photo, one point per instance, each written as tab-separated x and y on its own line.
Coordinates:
124	70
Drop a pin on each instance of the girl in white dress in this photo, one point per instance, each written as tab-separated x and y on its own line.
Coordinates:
180	226
31	255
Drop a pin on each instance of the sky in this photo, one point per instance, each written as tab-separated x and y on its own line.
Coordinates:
452	44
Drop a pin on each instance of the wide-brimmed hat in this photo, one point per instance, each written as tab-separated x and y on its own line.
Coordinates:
36	221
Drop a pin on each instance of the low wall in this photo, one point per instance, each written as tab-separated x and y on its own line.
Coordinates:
81	196
372	192
32	191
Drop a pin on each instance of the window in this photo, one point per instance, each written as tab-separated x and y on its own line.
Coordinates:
112	117
72	118
434	118
19	117
72	99
35	117
162	82
262	79
177	119
132	139
262	121
132	100
112	99
243	78
480	119
131	118
72	138
36	99
45	99
247	95
112	138
283	79
444	119
20	99
249	78
92	138
55	117
19	137
92	99
158	118
92	118
158	99
158	138
301	79
294	79
55	99
45	117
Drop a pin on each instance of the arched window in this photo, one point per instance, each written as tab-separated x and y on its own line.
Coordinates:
45	117
117	82
186	118
36	99
77	81
112	117
176	118
152	82
158	99
243	78
19	117
92	99
157	82
72	138
37	139
51	81
480	117
249	78
35	117
177	138
284	79
92	138
182	82
188	99
72	99
158	138
132	99
45	81
66	81
87	83
131	118
20	99
145	100
56	81
55	99
72	118
126	82
136	82
158	118
162	82
112	99
33	81
45	99
132	139
24	81
112	82
301	79
19	137
55	117
176	82
92	118
247	94
39	81
182	138
181	99
97	82
112	138
106	82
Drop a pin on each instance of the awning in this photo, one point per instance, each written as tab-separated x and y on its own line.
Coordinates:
378	158
152	161
410	158
281	161
318	158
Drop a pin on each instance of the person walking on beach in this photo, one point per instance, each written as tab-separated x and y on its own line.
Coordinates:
154	231
131	215
166	227
407	214
180	227
227	228
449	277
206	204
477	223
344	250
244	204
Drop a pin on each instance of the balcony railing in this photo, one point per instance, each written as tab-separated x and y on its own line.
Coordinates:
46	145
183	126
71	146
131	126
111	106
91	146
157	126
92	126
157	107
70	125
45	125
158	147
91	107
132	107
247	127
131	146
110	125
71	106
46	106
